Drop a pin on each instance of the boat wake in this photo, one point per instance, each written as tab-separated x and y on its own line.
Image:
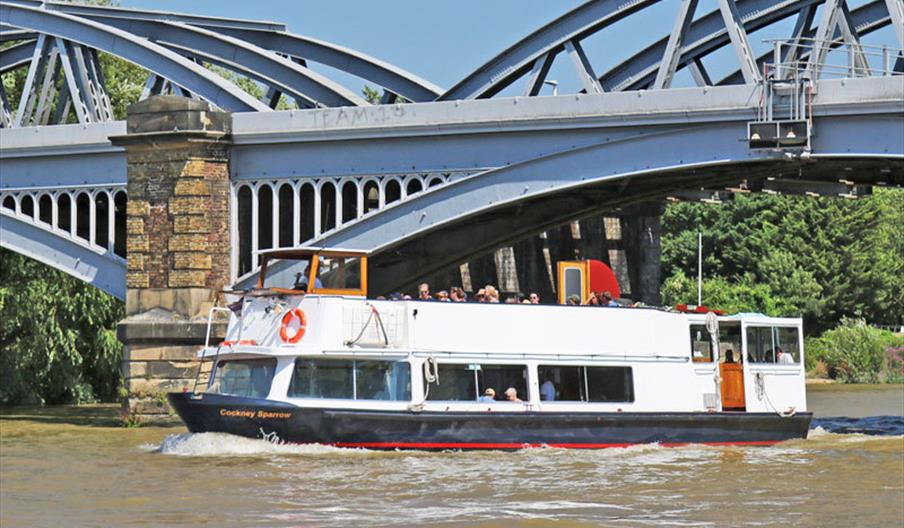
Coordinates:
222	444
870	426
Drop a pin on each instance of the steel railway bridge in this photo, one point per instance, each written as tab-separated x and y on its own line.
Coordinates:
429	178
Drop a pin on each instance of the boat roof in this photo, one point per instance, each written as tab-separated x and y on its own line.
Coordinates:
302	252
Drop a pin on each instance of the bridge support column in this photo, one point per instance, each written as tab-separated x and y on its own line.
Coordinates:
178	245
641	237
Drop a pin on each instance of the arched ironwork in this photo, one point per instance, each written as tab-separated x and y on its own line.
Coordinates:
62	41
530	59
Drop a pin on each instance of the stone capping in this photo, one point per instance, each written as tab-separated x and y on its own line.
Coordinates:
170	113
188	136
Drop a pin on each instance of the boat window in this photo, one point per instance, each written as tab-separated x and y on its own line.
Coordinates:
586	384
340	273
773	344
701	343
467	382
788	340
351	379
246	377
287	274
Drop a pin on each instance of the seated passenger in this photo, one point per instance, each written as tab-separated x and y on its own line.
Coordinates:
492	293
574	300
511	394
783	357
457	294
607	300
423	292
548	390
489	396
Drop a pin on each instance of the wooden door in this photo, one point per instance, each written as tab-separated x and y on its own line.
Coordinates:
732	387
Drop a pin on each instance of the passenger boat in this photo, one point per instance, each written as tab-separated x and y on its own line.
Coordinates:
308	358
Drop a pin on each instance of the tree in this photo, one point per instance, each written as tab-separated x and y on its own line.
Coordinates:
820	258
57	337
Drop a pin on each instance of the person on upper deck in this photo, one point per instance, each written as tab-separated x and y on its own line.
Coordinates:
511	394
534	298
423	292
456	294
607	300
489	396
492	293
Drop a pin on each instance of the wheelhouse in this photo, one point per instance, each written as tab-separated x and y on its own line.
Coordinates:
314	271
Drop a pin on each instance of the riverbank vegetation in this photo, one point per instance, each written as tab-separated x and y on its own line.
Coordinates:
837	263
854	352
57	336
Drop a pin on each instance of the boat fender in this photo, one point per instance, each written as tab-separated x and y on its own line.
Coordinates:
295	313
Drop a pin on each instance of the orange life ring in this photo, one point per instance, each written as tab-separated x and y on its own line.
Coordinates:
294	313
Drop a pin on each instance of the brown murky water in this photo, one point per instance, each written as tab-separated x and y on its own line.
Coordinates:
73	467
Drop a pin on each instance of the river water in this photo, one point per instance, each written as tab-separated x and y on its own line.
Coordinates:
72	466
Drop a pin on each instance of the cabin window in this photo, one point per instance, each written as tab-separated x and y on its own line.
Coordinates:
729	343
351	379
467	382
340	273
288	274
701	344
246	377
586	384
574	283
773	344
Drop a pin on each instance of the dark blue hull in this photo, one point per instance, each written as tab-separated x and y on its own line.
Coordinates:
255	418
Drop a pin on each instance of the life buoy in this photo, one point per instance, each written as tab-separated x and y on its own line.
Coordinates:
294	313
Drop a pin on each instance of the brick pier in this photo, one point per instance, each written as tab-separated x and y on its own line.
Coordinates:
177	153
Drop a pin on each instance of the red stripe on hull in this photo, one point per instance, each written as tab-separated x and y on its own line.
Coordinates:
479	445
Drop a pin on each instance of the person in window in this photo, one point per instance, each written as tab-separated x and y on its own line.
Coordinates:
511	394
301	279
573	300
729	356
489	396
783	357
548	390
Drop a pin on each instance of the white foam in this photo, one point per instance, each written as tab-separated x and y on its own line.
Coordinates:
222	444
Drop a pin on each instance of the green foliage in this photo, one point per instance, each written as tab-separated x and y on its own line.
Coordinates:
855	352
57	337
371	94
819	258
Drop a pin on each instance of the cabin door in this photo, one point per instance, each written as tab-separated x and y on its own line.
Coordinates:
732	386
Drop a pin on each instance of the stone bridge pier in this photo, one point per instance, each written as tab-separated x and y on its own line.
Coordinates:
178	245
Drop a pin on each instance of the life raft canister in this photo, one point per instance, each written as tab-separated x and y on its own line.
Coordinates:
295	313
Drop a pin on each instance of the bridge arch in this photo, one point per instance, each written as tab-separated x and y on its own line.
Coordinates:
97	266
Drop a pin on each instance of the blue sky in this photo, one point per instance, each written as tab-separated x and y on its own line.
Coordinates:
444	41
